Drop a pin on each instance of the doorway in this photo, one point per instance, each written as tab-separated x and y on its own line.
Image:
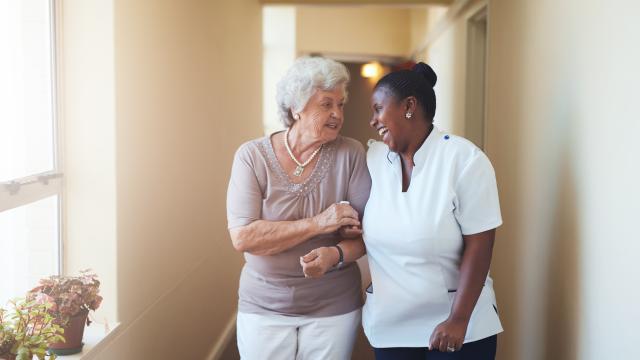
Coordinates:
475	109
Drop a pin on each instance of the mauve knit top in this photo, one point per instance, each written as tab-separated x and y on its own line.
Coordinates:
259	189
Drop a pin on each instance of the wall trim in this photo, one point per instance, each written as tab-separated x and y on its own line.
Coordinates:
123	328
223	341
359	58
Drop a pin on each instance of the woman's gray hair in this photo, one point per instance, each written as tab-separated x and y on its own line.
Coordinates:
304	77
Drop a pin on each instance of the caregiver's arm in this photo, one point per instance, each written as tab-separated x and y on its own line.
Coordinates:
476	260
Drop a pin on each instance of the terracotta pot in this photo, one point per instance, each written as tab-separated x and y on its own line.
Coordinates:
73	333
7	357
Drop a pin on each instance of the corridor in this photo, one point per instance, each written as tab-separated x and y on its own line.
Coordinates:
156	96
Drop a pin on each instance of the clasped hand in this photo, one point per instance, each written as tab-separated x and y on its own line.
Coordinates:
336	217
340	217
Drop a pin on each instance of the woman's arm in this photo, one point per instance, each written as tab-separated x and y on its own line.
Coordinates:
263	237
476	260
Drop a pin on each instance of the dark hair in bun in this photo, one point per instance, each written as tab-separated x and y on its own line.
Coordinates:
427	72
417	82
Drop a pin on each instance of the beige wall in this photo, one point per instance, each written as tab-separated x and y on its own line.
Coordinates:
423	22
447	54
562	137
187	92
353	30
87	118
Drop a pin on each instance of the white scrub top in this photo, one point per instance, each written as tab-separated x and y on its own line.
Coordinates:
414	239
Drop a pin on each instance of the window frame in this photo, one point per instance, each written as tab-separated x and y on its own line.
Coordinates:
35	187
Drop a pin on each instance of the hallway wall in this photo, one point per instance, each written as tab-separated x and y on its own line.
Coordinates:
176	88
562	136
353	30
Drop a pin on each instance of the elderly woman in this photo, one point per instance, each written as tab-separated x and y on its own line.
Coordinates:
429	228
294	206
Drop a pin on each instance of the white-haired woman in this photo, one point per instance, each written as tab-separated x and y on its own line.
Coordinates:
294	206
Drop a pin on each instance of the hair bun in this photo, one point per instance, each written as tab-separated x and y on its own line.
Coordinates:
427	72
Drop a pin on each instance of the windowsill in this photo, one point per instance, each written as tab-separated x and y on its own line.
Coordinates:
95	339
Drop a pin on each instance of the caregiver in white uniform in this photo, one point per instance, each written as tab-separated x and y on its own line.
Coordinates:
429	228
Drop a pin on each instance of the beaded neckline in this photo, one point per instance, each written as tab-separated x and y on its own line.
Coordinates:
317	174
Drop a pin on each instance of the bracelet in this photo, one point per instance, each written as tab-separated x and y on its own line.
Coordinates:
341	257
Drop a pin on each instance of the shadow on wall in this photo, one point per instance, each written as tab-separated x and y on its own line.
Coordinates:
537	249
563	302
504	80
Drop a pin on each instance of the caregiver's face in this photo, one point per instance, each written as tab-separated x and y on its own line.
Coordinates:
389	119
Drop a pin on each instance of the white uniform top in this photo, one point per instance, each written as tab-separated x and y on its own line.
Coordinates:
414	239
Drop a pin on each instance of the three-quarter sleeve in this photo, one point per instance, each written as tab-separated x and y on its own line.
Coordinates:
477	207
359	181
244	196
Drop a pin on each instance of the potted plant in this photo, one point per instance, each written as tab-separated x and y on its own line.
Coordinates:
7	337
28	331
73	297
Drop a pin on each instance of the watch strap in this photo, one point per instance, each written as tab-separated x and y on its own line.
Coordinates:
341	257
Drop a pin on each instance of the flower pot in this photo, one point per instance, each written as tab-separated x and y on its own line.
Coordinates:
73	333
7	357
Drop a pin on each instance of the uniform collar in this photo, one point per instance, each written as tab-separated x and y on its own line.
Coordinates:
420	156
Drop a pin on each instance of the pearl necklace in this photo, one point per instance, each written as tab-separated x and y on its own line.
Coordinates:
300	168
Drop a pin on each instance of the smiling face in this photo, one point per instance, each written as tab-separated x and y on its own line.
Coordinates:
389	119
323	115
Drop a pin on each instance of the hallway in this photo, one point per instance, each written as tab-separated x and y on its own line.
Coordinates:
156	96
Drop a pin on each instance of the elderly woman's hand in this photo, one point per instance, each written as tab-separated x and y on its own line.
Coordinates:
318	261
335	217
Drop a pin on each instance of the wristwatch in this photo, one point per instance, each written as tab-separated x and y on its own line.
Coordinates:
341	258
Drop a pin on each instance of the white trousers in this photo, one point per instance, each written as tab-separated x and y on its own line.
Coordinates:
276	337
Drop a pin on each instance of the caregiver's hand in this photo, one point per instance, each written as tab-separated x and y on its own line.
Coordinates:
449	335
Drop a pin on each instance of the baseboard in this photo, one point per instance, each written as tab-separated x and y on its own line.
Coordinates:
223	341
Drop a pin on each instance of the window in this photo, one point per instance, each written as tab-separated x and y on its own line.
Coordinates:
30	175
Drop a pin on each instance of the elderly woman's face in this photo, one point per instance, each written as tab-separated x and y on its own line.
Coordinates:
389	120
323	115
